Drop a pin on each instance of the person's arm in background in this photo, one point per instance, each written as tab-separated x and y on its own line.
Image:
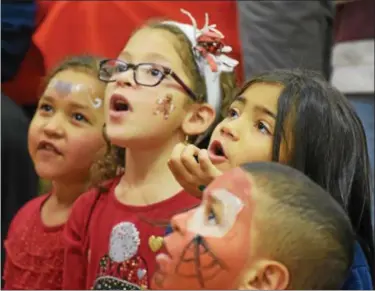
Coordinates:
286	35
17	27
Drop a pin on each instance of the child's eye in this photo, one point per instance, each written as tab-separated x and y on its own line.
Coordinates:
155	72
120	68
232	113
262	128
212	219
79	117
45	107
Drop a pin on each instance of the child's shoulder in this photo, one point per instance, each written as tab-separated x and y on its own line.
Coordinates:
84	206
94	194
27	210
32	205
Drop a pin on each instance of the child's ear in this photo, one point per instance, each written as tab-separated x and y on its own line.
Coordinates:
266	275
198	119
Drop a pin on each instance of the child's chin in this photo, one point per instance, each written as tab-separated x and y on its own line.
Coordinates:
133	142
223	166
48	173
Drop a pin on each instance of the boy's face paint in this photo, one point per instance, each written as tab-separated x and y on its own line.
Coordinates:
210	245
164	106
66	89
65	135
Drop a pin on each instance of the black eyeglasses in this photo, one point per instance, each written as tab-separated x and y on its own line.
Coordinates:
144	74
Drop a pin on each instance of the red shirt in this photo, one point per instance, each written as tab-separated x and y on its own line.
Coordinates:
111	245
102	28
34	252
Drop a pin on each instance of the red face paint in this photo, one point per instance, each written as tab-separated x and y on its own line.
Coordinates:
211	244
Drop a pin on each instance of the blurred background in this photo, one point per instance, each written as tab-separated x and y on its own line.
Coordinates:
335	38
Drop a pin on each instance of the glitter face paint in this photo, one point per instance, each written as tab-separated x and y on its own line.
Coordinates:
67	89
164	106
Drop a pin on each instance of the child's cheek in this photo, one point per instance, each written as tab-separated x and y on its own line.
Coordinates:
87	148
33	138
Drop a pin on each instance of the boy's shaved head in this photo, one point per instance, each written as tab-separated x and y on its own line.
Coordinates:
301	226
263	226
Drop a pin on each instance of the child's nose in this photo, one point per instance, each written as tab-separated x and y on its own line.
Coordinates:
178	223
125	79
228	131
54	127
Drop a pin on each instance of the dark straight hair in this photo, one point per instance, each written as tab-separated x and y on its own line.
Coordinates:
328	144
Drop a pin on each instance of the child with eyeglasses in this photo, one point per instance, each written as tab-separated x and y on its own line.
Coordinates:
164	88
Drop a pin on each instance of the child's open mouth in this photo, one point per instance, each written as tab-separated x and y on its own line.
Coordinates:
216	152
48	147
119	107
119	103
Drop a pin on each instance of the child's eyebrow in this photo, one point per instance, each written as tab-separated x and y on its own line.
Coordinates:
47	98
259	108
265	110
157	57
78	105
125	55
240	99
151	57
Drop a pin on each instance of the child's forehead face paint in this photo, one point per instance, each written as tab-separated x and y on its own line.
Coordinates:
66	89
208	251
235	181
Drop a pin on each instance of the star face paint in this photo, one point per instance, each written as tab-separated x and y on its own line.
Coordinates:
66	89
210	244
164	106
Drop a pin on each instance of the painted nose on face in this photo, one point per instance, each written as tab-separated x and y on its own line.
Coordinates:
227	131
54	127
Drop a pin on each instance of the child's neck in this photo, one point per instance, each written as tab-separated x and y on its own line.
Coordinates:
56	209
147	178
66	193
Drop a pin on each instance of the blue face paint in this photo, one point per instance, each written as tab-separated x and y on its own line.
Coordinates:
168	230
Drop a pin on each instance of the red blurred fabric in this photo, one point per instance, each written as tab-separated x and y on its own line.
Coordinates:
102	28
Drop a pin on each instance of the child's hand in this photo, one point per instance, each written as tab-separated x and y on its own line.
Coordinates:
192	168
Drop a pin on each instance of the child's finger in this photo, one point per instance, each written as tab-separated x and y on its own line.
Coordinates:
180	173
175	165
192	190
177	151
189	161
206	165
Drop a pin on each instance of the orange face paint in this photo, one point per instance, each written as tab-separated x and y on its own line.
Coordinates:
210	244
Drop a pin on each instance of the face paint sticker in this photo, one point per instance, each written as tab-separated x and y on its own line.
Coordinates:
164	106
66	89
63	89
97	102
